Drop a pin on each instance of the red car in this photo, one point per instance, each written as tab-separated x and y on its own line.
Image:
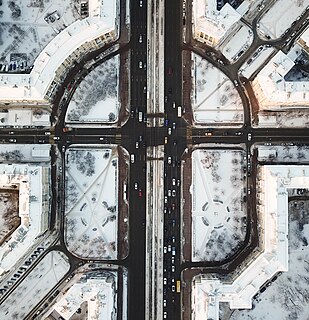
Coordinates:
170	71
140	194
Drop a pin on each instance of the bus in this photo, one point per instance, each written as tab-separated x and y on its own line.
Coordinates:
178	286
179	112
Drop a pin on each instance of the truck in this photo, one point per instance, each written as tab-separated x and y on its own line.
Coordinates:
178	286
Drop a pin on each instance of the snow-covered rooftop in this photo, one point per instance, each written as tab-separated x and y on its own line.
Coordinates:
34	86
273	91
274	181
211	25
33	185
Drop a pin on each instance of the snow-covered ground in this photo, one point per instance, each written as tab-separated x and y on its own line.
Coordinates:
218	208
280	17
35	286
96	98
24	32
237	44
284	119
92	201
283	153
214	97
287	297
13	153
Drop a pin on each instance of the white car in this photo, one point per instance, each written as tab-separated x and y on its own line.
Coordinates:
165	315
140	65
169	248
169	160
164	303
249	136
173	268
135	186
140	39
141	3
173	181
165	249
165	281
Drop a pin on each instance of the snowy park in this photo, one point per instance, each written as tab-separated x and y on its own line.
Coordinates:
28	26
96	99
91	221
214	97
218	208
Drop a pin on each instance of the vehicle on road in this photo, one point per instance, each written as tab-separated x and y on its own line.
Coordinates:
249	136
179	112
135	186
140	194
12	140
141	3
140	64
140	39
132	158
173	193
169	131
170	71
178	286
169	160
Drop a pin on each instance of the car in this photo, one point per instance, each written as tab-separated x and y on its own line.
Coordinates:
12	140
208	133
173	260
238	133
141	3
165	199
170	90
11	132
169	248
140	194
169	131
169	160
170	71
173	239
169	192
173	181
56	138
173	288
164	303
249	190
173	268
135	186
164	281
165	315
140	39
164	249
140	64
249	136
165	140
173	206
47	133
178	182
173	251
173	193
136	145
173	222
236	83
